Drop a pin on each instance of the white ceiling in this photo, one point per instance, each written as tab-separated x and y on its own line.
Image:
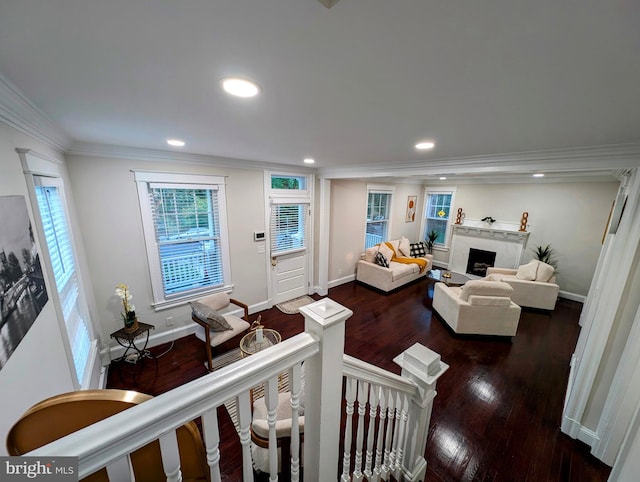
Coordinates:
354	86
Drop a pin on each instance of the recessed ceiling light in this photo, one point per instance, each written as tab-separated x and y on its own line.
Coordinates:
442	178
308	160
425	145
175	142
240	87
538	174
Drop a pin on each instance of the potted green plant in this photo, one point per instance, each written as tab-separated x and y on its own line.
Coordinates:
431	238
545	254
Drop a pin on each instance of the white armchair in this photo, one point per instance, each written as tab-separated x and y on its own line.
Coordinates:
534	284
479	307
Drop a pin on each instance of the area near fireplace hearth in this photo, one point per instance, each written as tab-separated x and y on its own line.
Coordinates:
475	246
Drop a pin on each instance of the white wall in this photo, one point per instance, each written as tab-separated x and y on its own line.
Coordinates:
109	216
38	368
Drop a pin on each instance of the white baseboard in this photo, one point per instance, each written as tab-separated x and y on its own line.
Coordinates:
572	296
587	436
341	281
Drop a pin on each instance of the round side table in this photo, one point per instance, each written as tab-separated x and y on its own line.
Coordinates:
249	345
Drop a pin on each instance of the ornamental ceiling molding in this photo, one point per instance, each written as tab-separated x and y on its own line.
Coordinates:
20	113
109	151
611	159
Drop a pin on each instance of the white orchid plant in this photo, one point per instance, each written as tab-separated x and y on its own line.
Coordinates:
129	313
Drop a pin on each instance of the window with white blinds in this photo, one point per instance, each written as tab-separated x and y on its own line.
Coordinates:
61	253
188	236
185	230
288	231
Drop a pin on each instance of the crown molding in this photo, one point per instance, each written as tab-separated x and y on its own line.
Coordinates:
20	113
110	151
604	159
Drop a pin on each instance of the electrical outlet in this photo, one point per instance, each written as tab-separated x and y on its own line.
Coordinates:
169	320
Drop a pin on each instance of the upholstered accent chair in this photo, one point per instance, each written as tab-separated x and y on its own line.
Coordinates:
534	284
260	434
217	329
479	307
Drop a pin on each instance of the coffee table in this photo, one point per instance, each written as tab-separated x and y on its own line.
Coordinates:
440	276
450	278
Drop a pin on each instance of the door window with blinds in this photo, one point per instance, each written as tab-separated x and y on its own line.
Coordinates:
185	228
50	198
288	223
290	202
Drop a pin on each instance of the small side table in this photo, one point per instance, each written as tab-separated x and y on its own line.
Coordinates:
249	345
128	341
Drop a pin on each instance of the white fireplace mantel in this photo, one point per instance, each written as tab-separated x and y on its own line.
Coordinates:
503	238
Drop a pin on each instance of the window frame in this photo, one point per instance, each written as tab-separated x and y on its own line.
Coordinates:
40	171
144	181
423	227
379	189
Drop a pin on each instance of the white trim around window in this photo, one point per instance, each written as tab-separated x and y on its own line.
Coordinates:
146	181
425	205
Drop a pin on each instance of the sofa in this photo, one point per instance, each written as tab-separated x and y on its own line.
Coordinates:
396	269
479	307
534	284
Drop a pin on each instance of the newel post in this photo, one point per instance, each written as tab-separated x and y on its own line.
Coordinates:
323	389
424	367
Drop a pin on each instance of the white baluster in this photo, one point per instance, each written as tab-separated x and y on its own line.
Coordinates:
121	469
396	433
271	402
350	396
373	411
377	469
389	453
363	392
295	377
170	456
244	421
211	436
404	404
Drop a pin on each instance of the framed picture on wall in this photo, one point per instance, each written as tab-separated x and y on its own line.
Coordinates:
411	209
22	290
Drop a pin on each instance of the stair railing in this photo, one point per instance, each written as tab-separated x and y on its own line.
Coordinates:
393	414
399	450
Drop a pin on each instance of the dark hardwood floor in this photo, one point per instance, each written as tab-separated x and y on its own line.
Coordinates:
497	413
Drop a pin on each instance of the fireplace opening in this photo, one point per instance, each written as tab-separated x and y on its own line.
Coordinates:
479	260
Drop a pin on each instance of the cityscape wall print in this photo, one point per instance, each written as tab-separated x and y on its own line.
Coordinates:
22	289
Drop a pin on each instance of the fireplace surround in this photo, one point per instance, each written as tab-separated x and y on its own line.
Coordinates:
500	238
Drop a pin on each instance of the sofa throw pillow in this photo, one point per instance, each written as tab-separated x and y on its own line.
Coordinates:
215	320
404	247
545	272
386	251
370	254
381	260
527	272
418	250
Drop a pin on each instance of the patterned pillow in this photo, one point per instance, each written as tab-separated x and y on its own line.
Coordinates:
215	320
418	250
381	260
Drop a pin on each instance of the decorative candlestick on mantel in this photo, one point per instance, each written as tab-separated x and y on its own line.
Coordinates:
523	222
459	216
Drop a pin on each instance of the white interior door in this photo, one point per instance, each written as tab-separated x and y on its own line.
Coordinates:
289	227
